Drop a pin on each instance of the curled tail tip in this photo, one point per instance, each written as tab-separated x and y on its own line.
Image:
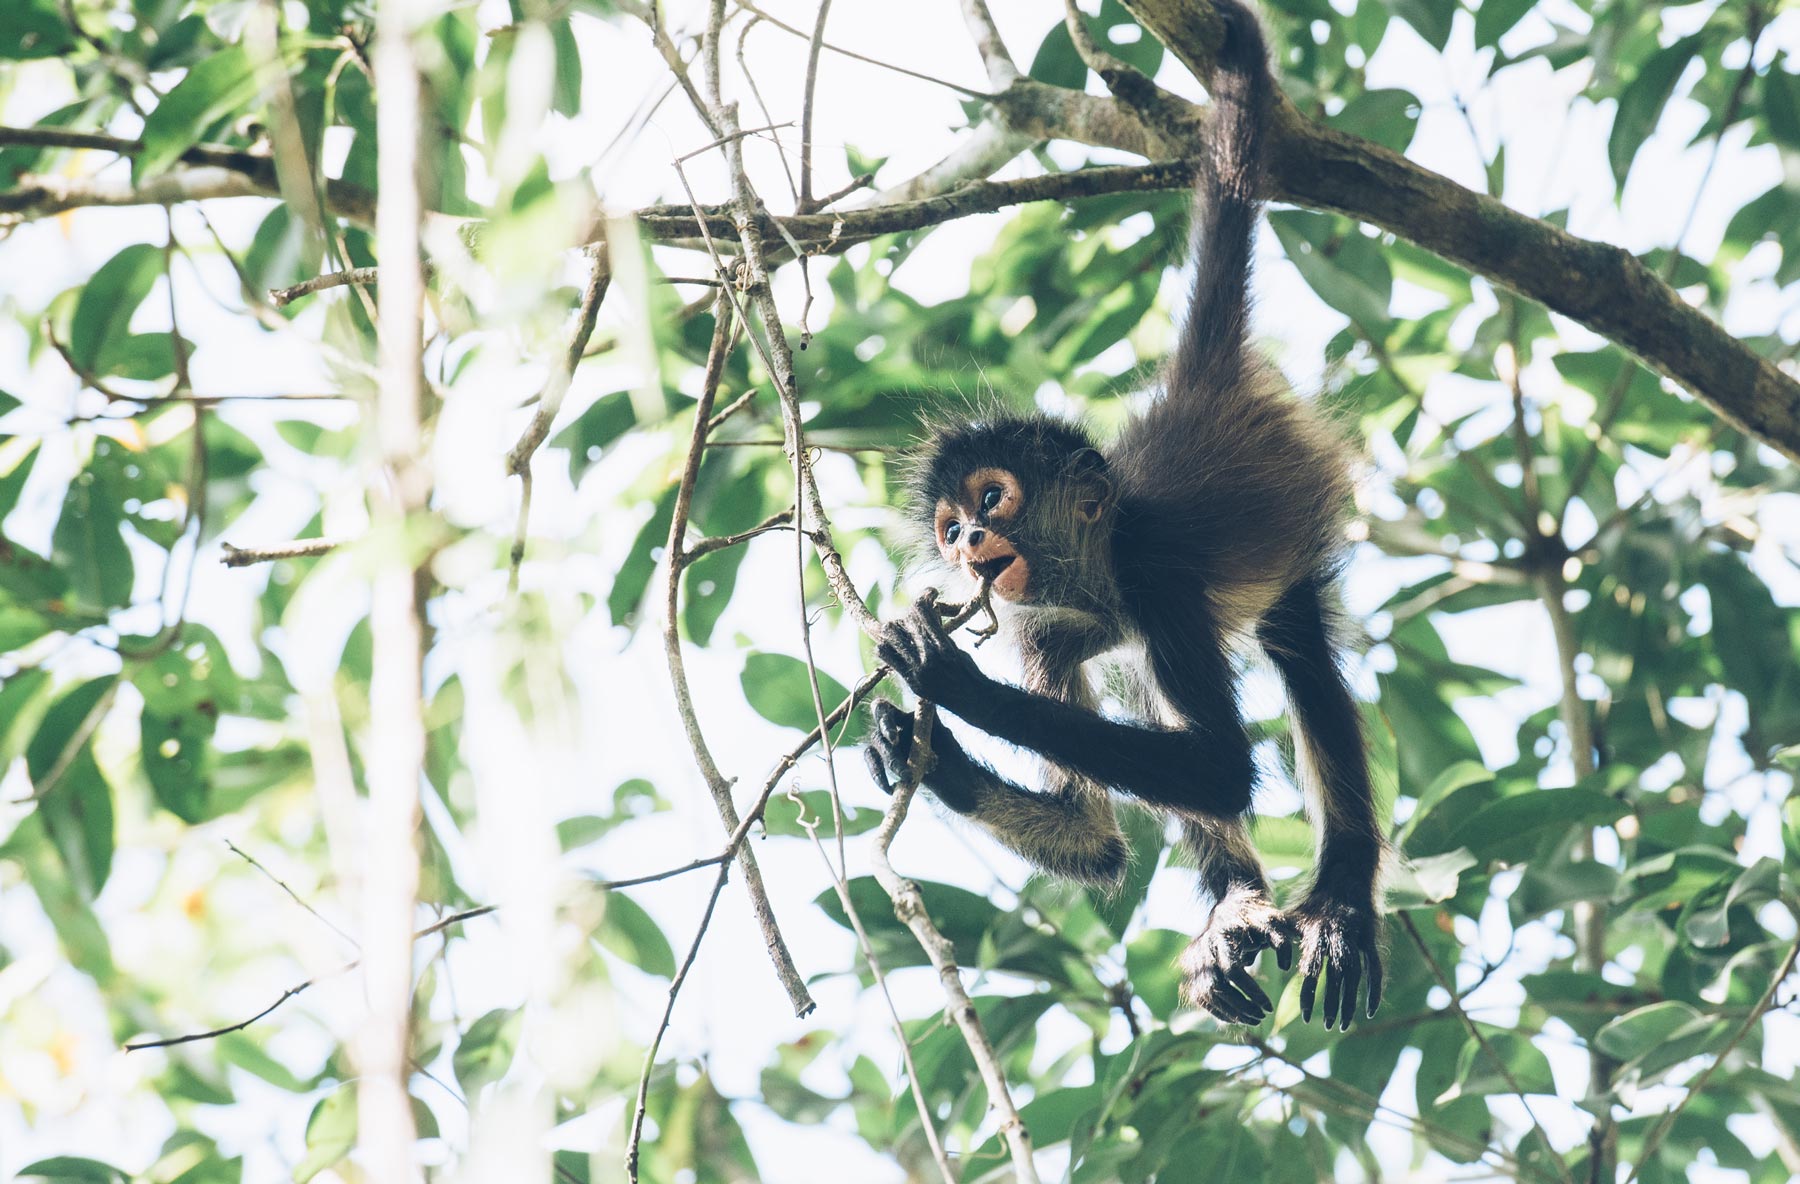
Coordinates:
1242	61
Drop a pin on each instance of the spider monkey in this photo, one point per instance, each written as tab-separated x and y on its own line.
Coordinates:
1216	515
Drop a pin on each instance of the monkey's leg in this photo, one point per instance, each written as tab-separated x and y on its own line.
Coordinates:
1068	830
1242	922
1338	919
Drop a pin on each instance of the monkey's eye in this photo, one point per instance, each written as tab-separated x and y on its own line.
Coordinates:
951	532
990	498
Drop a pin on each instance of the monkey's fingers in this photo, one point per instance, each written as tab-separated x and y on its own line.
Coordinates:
1312	965
1352	976
1240	977
1374	957
1229	1007
877	770
1334	993
1284	937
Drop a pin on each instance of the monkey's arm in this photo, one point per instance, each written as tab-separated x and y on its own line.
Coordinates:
1204	766
1068	830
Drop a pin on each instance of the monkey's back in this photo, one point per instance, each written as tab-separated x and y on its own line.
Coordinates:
1237	492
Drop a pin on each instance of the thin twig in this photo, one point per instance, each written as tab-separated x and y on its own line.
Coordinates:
776	521
641	1104
282	297
753	10
214	1033
282	884
300	549
805	204
716	782
550	399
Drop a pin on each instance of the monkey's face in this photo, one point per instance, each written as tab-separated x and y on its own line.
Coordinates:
973	531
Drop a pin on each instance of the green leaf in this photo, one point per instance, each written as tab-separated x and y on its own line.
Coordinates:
101	324
605	420
1388	117
1430	879
75	800
17	456
1511	828
1642	101
1497	1064
33	29
1495	18
778	689
566	96
486	1050
1431	18
330	1133
89	546
1056	61
629	932
72	1169
185	691
1339	263
1144	836
1781	105
1706	924
633	577
215	87
1638	1032
1150	962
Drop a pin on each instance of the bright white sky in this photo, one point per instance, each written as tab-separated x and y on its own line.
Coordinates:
732	1009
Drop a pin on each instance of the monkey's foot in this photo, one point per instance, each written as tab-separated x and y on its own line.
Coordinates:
1215	968
1340	937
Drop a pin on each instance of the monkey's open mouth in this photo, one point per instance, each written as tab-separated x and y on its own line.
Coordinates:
990	569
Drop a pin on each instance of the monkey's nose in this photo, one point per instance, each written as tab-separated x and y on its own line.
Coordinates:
975	537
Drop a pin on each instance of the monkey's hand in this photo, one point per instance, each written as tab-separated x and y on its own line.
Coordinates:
890	751
1215	967
922	654
1339	936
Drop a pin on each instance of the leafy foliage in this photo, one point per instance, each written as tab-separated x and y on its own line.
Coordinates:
1582	654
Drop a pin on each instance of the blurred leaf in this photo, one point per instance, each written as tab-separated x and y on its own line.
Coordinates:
1498	1063
185	690
1495	18
70	1169
486	1050
1431	18
330	1133
33	29
1642	101
214	87
630	932
1150	961
99	333
73	798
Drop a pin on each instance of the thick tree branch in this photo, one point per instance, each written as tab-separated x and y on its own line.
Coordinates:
1604	287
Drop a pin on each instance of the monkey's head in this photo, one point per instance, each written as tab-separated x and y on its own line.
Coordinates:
1017	498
